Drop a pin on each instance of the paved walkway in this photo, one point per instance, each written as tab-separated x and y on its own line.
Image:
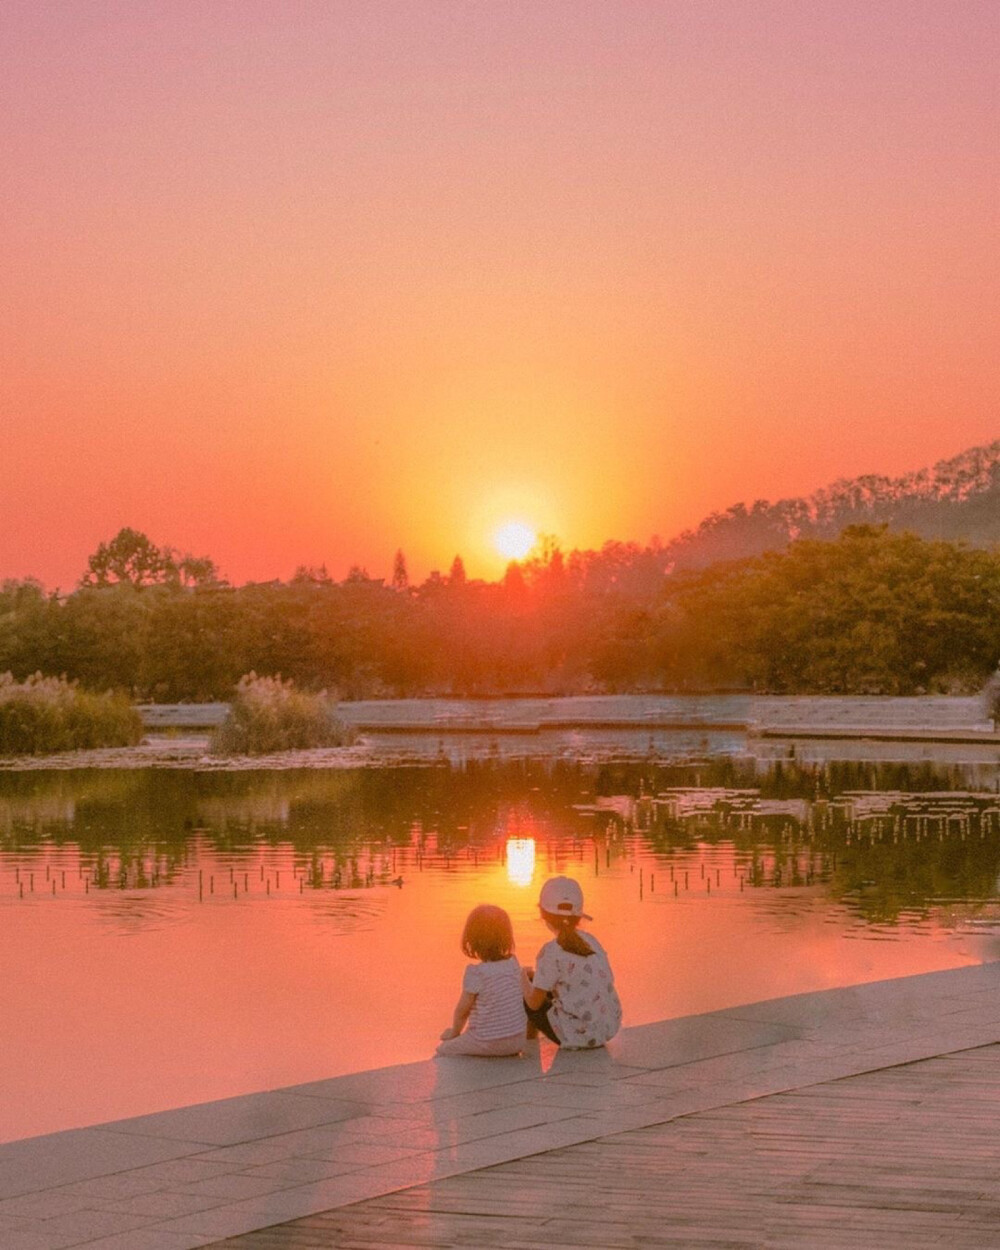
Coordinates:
187	1178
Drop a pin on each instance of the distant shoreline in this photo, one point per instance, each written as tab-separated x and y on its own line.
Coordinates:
401	733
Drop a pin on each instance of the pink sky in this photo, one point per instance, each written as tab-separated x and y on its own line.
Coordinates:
292	282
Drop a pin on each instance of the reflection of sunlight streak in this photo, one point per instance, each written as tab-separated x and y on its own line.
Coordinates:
520	860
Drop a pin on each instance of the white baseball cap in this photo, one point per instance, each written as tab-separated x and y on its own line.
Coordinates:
562	896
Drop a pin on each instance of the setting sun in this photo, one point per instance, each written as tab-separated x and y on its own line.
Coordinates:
514	539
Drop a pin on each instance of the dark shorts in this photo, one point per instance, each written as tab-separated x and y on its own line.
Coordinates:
539	1017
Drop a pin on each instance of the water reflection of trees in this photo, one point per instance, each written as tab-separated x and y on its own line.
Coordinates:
888	853
140	829
789	778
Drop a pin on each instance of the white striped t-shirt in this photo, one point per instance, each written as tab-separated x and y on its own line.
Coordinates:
499	1008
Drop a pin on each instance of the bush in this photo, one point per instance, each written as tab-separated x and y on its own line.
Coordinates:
45	714
269	714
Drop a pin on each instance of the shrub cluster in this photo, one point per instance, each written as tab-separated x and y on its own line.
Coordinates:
268	714
45	714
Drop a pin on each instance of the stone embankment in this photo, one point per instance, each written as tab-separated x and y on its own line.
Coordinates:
402	731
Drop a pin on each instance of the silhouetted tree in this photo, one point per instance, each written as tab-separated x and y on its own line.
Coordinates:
400	577
184	569
456	575
130	558
316	575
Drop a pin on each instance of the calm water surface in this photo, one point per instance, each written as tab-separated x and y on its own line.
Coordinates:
172	937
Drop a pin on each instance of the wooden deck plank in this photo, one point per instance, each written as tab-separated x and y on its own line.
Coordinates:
903	1157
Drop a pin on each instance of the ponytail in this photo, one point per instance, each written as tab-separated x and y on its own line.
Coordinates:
572	942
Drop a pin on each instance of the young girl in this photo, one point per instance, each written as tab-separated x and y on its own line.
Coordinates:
491	999
572	997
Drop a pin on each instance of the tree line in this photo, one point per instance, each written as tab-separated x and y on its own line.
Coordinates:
870	612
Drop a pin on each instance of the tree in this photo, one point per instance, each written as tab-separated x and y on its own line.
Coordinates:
311	574
456	576
189	570
400	577
130	558
103	637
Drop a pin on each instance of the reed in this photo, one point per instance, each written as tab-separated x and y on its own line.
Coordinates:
268	714
42	715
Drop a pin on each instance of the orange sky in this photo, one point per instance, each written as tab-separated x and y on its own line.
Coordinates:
288	281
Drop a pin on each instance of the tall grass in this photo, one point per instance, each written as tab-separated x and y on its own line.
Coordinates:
46	714
268	714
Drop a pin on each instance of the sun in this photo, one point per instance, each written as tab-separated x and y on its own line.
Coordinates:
514	539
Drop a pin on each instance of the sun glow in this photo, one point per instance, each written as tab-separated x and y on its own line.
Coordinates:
514	539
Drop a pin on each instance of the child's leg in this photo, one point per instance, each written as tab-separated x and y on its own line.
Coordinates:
538	1018
466	1044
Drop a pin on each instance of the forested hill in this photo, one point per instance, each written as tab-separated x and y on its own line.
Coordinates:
956	499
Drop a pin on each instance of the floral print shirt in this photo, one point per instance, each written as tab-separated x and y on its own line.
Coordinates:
585	1008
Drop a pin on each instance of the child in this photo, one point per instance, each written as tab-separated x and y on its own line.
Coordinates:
491	998
572	997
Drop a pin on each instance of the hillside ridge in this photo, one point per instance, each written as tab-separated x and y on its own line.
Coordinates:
957	498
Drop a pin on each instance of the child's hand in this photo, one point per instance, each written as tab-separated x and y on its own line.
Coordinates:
449	1033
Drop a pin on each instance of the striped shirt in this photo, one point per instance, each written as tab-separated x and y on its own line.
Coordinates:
499	1008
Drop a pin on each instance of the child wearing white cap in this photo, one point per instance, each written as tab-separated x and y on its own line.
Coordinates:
571	997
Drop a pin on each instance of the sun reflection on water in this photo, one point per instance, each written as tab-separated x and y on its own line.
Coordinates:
520	861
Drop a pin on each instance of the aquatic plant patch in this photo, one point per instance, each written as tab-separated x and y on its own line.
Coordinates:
268	714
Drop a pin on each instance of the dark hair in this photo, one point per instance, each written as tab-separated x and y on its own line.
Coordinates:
488	934
566	935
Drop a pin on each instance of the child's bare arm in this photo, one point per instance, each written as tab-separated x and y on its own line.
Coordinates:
532	998
462	1010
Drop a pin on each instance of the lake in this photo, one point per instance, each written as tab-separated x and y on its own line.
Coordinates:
169	937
